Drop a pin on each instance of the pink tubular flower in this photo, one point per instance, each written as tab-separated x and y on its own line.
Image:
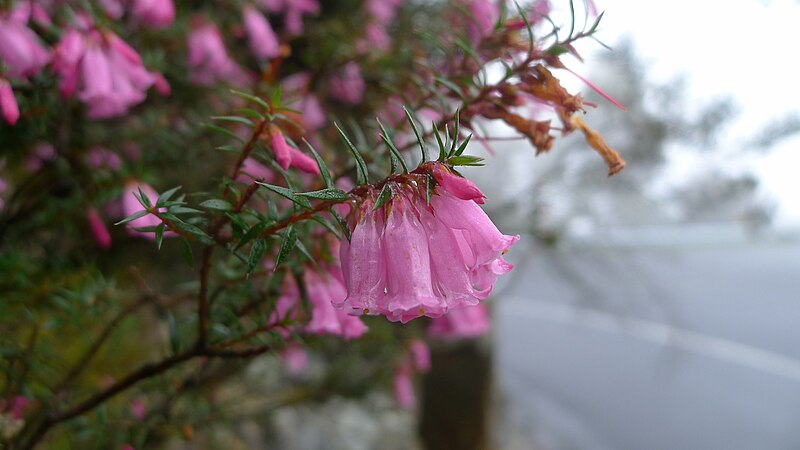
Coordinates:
154	13
287	155
404	388
20	50
103	158
456	185
8	103
108	73
420	355
348	86
323	291
408	259
209	61
484	14
296	359
464	323
263	41
98	228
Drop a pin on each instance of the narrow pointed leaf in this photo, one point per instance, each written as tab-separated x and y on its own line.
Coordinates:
362	176
254	231
442	151
454	142
159	235
392	148
416	133
463	145
326	194
166	195
143	199
256	252
234	119
341	222
224	131
323	168
288	244
252	98
132	217
287	193
217	204
466	160
186	252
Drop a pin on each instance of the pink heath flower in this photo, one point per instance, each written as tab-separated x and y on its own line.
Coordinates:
98	228
8	103
263	41
102	158
483	16
408	259
254	170
404	388
108	74
20	49
464	323
130	206
348	85
420	355
209	62
324	289
296	359
286	155
138	408
154	13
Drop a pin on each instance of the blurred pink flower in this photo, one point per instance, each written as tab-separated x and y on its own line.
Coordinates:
484	14
348	85
42	153
209	62
98	228
404	388
420	355
296	359
287	156
254	170
464	323
20	49
154	13
138	408
263	41
108	74
324	290
8	103
103	158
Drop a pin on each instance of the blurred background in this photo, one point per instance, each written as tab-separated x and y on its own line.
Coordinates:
659	308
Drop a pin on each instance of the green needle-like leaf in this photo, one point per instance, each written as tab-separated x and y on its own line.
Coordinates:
383	197
362	175
287	193
416	133
323	168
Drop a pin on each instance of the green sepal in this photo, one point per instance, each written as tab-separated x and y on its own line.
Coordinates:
383	197
442	151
